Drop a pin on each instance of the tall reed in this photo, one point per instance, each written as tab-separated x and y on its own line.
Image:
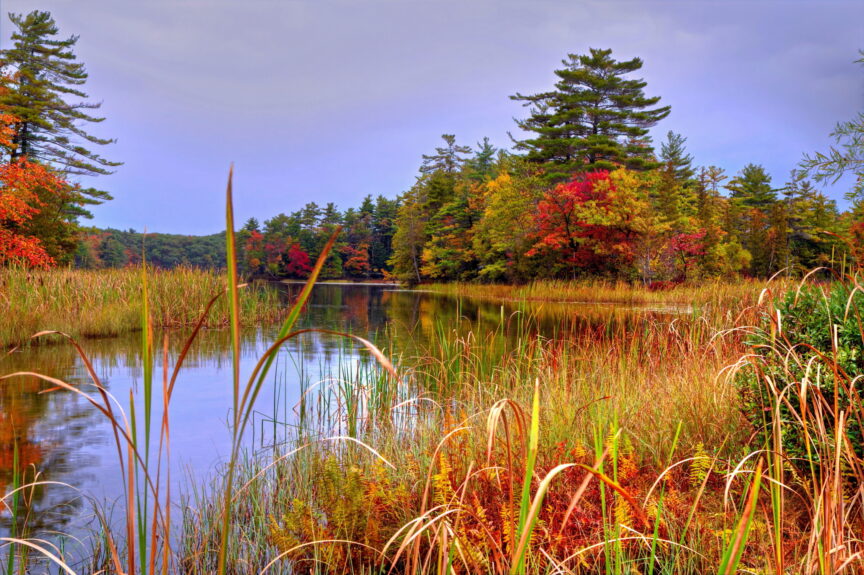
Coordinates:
98	303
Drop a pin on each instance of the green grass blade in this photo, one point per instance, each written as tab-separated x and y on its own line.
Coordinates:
147	360
252	390
732	553
234	306
518	562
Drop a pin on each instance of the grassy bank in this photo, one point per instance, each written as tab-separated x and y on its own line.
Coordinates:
719	293
98	303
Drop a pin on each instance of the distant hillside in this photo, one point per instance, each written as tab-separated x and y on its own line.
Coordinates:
110	248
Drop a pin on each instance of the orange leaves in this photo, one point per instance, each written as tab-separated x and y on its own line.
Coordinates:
7	131
21	183
23	250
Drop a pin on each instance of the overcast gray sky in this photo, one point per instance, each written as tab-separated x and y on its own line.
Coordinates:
328	100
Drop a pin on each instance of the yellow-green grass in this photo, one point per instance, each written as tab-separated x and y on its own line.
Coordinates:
709	292
98	303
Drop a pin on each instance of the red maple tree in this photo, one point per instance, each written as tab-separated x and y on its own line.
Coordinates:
580	223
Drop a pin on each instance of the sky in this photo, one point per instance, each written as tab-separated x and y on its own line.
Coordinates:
331	100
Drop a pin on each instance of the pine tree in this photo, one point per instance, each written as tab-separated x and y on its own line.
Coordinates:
383	228
45	78
813	223
447	159
595	119
753	214
40	79
751	188
675	158
482	165
847	157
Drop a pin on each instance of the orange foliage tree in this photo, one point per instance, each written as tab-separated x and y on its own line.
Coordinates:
21	182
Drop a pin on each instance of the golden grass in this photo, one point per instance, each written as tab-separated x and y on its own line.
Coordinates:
717	292
99	303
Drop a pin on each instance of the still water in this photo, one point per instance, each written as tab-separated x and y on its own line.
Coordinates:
59	436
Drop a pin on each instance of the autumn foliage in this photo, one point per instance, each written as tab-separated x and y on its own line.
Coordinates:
281	257
23	184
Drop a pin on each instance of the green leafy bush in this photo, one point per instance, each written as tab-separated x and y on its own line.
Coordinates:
806	368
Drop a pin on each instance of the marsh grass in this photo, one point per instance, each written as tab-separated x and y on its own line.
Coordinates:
720	293
101	303
616	450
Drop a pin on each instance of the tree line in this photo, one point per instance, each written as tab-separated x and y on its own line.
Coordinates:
284	246
584	193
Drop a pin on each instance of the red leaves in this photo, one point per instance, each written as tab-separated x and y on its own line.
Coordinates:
282	257
23	250
21	182
577	221
357	262
688	245
297	262
23	186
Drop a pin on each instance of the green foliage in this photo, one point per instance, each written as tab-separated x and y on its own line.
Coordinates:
846	158
42	90
112	248
674	156
45	74
813	358
596	118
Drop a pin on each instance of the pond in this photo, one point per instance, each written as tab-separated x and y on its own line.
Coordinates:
60	437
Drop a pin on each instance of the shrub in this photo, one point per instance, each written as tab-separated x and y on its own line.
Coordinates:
808	356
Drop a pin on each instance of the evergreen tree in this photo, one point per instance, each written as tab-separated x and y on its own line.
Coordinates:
482	165
595	119
847	157
447	158
675	158
45	77
753	215
41	80
383	228
813	223
367	207
751	188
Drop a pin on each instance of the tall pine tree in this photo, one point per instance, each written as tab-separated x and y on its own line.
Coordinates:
596	118
42	91
45	79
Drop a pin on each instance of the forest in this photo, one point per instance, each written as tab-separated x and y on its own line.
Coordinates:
588	196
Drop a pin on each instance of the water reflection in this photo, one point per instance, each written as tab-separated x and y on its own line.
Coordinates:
62	438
